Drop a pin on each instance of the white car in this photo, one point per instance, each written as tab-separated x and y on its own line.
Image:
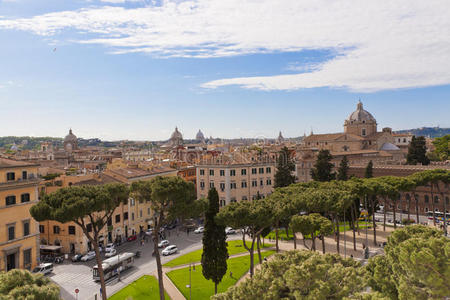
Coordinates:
199	230
229	230
170	250
149	232
90	255
111	252
46	268
163	243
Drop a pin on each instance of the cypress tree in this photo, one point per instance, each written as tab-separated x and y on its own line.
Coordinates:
215	252
369	170
285	166
343	169
417	151
322	170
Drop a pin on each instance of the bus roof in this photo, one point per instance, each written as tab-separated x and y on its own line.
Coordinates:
116	259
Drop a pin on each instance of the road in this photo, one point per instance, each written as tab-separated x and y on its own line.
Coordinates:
70	276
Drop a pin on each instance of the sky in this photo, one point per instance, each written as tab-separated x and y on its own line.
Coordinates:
135	69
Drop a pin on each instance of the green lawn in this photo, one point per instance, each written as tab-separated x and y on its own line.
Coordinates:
281	235
234	247
204	289
145	287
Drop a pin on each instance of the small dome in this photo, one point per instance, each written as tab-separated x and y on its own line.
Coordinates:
360	114
176	134
70	137
389	147
200	136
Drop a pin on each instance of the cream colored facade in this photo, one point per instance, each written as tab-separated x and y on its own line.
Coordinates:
19	233
236	182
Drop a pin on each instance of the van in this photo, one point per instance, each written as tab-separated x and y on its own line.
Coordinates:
45	269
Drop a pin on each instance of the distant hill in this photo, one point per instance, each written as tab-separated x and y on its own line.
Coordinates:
427	131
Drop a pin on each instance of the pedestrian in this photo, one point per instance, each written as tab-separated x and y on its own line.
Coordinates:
231	274
351	255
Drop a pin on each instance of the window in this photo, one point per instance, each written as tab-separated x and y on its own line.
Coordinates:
222	202
10	200
269	181
243	171
72	230
243	184
233	200
24	175
202	185
140	213
261	170
436	199
232	172
56	229
233	185
26	228
222	172
202	172
10	176
211	184
254	183
427	199
89	227
222	186
132	202
117	218
132	216
109	222
125	216
426	209
268	170
244	198
261	182
148	211
253	170
11	232
25	197
211	172
27	259
363	132
41	229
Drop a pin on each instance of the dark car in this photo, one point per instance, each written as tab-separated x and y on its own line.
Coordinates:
132	238
77	257
171	226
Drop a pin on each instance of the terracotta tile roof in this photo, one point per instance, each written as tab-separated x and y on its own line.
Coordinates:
330	137
9	163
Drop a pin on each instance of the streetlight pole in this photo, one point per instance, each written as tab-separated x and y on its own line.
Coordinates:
345	240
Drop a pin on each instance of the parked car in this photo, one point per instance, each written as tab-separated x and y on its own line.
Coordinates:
46	268
229	230
110	247
111	252
77	257
163	243
132	238
170	250
171	226
90	255
149	232
199	230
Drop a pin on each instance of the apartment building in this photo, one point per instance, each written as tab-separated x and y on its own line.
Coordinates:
19	233
236	181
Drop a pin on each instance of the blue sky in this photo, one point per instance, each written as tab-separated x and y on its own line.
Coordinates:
135	69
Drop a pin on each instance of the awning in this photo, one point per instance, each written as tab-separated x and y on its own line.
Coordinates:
50	248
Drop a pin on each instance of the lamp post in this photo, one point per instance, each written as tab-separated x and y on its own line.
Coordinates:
189	285
345	240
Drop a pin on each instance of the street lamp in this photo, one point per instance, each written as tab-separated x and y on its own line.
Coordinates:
189	286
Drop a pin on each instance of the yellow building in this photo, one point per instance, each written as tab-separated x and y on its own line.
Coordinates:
19	233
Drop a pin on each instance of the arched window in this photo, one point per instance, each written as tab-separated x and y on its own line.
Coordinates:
427	199
363	132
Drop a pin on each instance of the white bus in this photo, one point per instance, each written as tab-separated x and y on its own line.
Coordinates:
113	265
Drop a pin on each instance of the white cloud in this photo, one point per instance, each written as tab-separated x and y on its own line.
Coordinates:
379	44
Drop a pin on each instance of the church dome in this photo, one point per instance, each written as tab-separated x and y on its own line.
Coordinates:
361	115
389	147
70	137
176	134
200	136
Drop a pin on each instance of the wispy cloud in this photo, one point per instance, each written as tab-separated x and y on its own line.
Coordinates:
379	44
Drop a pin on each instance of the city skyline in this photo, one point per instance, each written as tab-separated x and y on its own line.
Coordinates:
131	70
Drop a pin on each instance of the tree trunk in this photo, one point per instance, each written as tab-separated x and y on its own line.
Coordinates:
158	262
409	207
295	240
304	242
252	265
353	228
287	232
323	244
337	234
276	237
417	208
215	288
384	214
313	238
258	248
99	267
356	218
373	221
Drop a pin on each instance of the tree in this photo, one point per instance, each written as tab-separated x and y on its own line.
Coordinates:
442	148
311	226
285	167
301	275
368	173
215	252
170	198
343	169
23	285
252	216
90	207
322	170
417	152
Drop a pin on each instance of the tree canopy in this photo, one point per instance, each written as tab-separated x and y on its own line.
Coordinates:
23	285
